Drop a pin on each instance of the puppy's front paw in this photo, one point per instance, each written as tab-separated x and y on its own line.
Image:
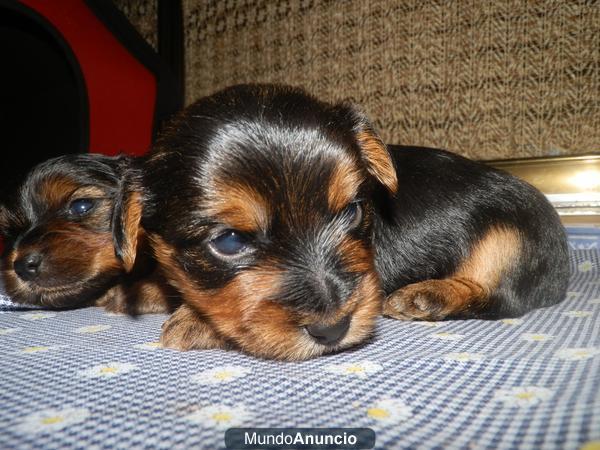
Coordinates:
437	299
114	301
185	330
426	300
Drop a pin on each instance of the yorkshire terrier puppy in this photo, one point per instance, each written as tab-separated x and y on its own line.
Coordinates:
288	227
72	238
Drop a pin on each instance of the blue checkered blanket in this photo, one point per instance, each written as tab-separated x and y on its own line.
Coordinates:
90	379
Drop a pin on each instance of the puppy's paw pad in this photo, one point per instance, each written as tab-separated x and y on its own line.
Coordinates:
419	301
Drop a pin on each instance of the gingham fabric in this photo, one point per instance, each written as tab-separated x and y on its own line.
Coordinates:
89	379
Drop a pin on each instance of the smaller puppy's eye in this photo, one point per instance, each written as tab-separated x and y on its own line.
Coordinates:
81	206
353	213
229	243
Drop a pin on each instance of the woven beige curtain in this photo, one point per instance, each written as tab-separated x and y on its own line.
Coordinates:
488	79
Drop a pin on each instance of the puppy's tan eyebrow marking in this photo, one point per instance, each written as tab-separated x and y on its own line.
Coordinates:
344	183
88	191
238	205
55	190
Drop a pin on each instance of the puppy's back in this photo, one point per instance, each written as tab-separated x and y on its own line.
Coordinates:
449	211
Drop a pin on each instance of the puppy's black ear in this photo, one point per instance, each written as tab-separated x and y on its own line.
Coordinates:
127	214
10	217
374	152
4	220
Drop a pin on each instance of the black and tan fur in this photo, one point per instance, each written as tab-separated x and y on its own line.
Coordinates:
329	228
53	257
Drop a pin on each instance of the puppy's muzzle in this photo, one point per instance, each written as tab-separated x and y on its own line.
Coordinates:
28	267
329	334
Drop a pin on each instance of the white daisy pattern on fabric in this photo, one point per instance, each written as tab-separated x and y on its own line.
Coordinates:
585	266
36	349
389	411
537	337
523	395
595	301
360	369
445	336
512	321
577	354
148	346
49	420
220	416
224	374
463	356
577	314
591	445
109	370
427	323
93	329
37	315
4	331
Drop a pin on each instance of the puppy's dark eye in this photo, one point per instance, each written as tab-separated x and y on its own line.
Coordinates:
229	243
353	213
81	206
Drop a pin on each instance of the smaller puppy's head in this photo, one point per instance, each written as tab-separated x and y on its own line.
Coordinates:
267	230
70	230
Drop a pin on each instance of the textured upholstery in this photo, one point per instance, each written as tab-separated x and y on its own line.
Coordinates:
88	379
501	79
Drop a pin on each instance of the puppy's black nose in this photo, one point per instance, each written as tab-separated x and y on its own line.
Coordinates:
329	334
28	267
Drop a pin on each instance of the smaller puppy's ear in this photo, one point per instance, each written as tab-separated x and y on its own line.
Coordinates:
374	152
3	220
127	215
10	218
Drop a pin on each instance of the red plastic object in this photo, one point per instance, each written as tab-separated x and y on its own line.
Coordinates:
121	91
